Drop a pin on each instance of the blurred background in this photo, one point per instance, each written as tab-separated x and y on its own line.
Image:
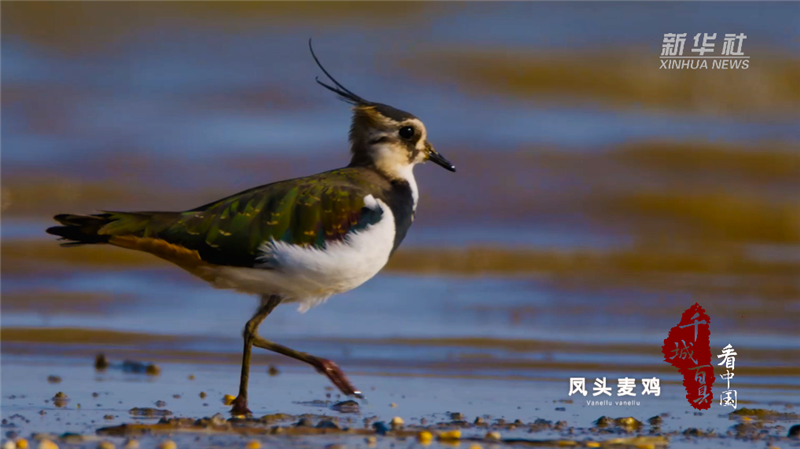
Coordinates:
597	196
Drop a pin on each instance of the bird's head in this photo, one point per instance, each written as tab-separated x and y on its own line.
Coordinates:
391	140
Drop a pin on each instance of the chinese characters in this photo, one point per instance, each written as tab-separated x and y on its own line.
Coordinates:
687	348
728	397
626	386
673	44
703	47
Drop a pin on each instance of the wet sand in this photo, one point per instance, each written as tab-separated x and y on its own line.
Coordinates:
296	407
516	388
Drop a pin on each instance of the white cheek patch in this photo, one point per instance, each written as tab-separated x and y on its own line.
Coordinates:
389	156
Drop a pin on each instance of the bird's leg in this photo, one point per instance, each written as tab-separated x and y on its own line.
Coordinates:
323	366
268	303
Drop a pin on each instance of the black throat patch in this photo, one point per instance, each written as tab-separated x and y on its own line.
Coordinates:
400	200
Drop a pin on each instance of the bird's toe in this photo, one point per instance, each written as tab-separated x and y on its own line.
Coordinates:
239	406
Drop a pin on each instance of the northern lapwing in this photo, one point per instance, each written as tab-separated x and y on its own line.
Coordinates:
300	240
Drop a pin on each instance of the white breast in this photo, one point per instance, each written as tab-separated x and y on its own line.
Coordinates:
309	275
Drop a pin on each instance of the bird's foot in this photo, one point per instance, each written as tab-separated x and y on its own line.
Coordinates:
337	377
239	406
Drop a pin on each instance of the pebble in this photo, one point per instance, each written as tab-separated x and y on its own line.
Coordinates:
494	436
105	445
100	362
456	416
47	444
203	395
54	379
592	444
149	412
60	399
628	423
424	437
479	421
253	444
655	421
604	421
397	423
9	445
476	446
380	428
22	443
218	420
132	444
450	435
167	444
228	399
371	441
303	422
349	406
72	438
191	376
327	424
273	370
393	405
109	417
161	404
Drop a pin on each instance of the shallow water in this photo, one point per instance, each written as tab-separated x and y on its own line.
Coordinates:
296	391
411	338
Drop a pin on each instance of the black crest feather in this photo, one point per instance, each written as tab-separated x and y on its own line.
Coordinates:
344	93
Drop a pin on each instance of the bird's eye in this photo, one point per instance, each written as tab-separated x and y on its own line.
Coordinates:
407	132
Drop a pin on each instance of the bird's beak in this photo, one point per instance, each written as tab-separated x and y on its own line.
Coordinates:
440	160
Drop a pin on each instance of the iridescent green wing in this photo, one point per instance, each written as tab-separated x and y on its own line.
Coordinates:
308	212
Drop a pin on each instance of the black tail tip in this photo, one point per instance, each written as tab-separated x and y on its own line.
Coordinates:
76	233
55	230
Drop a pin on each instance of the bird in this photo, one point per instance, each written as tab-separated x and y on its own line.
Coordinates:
298	241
